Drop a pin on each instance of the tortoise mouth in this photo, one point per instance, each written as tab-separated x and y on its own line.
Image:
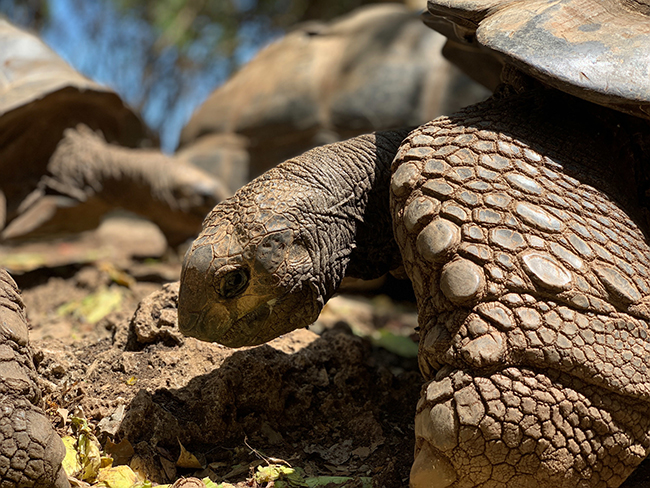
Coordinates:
189	324
248	330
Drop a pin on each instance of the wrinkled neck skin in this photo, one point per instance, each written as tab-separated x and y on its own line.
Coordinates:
343	211
271	256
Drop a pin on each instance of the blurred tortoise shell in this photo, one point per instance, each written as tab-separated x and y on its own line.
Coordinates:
597	50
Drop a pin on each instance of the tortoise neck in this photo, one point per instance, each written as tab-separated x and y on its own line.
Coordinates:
348	207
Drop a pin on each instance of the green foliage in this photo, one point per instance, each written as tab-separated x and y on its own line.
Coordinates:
395	343
286	477
184	22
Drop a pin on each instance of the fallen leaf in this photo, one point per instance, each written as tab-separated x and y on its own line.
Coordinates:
186	459
211	484
116	275
139	467
95	306
90	457
88	451
71	463
362	452
169	467
121	452
63	413
278	473
118	477
397	344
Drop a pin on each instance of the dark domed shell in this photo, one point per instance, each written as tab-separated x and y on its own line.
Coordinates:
598	50
30	72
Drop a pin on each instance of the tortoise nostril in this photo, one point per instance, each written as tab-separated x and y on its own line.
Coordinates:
196	270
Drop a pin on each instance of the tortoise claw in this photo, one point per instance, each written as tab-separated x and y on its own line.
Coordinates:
431	469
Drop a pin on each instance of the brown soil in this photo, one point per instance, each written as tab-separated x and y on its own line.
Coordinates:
330	403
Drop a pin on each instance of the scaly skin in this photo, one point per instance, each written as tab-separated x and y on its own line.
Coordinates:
30	451
518	224
531	276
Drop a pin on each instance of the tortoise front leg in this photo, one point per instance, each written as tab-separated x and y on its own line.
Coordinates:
87	177
533	280
30	451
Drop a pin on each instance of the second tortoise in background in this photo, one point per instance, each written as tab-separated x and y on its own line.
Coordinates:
59	173
375	68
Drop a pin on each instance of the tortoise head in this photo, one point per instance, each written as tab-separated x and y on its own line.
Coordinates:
245	284
270	256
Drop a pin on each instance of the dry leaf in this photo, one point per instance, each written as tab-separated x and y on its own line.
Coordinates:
187	460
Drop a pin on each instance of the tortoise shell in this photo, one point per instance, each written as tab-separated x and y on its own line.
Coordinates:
598	50
31	73
40	96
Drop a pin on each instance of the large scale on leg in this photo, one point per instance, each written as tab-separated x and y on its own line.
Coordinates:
532	285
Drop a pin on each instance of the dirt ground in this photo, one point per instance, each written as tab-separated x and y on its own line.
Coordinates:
330	400
335	400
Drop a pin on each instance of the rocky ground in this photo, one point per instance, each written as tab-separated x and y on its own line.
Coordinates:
336	400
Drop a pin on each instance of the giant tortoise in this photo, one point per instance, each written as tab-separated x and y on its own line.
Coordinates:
520	222
59	174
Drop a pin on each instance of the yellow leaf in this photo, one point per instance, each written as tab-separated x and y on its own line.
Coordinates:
276	472
95	306
90	457
117	477
139	467
132	381
117	275
71	463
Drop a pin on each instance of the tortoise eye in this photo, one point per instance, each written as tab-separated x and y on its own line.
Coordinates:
233	283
